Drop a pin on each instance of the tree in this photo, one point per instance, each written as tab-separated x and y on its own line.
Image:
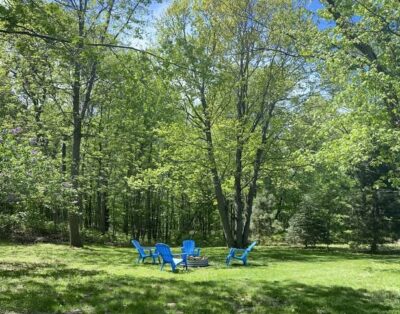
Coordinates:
308	226
360	54
240	69
72	25
366	38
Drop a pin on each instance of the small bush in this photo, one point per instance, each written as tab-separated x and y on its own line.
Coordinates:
8	224
308	227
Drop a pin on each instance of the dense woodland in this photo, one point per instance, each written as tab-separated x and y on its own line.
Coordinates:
245	119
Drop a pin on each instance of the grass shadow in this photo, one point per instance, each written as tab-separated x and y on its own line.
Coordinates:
44	270
87	286
100	293
303	298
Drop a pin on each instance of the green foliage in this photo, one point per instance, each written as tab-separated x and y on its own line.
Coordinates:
266	224
309	117
308	226
8	223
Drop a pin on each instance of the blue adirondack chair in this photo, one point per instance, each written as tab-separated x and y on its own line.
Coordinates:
169	258
242	257
151	252
189	247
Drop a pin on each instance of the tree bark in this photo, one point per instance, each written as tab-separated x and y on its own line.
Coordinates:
256	170
239	205
221	201
240	112
75	238
74	219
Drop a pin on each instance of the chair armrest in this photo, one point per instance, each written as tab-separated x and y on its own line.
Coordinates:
239	250
233	251
149	248
180	254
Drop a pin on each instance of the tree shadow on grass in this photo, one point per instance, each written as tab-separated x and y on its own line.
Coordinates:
31	290
278	254
44	270
18	269
322	299
317	255
263	256
394	271
103	256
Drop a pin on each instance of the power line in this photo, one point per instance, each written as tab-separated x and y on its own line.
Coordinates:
105	45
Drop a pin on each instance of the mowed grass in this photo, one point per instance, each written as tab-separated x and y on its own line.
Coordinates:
46	278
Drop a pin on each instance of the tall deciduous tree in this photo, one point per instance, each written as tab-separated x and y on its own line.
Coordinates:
73	25
241	68
360	53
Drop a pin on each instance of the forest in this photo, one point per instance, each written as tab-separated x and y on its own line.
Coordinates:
222	121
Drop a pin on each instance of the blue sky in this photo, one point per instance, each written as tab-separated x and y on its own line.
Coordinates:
314	6
158	9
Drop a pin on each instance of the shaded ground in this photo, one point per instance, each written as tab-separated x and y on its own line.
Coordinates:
47	278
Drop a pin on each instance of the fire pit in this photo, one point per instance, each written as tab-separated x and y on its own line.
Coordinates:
197	261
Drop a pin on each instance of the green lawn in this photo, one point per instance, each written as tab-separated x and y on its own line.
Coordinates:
46	278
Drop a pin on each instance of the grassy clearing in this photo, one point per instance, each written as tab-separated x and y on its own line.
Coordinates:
46	278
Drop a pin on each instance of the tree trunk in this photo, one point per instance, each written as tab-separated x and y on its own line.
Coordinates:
102	195
63	156
256	170
74	235
75	238
221	202
375	228
239	205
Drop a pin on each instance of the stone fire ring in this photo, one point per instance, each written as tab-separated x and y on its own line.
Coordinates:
197	261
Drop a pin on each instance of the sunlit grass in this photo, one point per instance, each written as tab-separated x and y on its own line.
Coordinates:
46	278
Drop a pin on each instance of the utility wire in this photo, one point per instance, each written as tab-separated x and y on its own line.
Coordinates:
105	45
